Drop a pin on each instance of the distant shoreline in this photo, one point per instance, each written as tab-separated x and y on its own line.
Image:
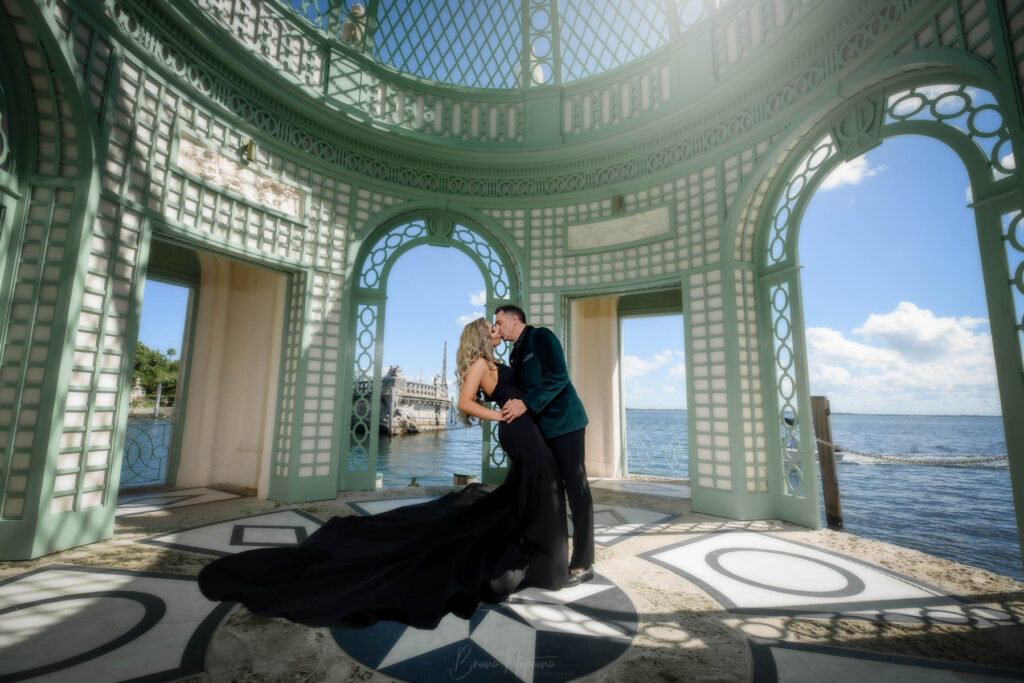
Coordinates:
834	412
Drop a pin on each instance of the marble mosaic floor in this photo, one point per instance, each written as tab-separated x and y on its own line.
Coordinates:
162	501
76	623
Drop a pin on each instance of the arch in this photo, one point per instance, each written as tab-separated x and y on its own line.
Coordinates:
406	229
51	196
954	109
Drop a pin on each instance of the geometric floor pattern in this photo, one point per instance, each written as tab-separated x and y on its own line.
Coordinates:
139	503
537	635
802	663
374	507
615	523
62	623
271	529
612	523
754	573
157	626
643	488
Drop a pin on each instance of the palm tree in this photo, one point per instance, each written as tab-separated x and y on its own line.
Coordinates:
171	353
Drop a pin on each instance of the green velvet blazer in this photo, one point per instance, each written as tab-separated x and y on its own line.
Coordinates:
539	364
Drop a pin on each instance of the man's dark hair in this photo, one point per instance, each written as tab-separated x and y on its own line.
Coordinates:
515	311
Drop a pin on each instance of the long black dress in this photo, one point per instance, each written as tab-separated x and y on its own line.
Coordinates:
417	563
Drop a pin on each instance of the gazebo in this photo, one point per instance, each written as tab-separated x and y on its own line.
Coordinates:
590	158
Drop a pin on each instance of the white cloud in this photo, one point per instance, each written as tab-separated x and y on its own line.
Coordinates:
920	335
466	319
633	366
667	355
850	173
478	298
668	389
914	362
678	371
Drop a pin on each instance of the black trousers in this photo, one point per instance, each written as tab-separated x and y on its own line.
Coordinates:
568	452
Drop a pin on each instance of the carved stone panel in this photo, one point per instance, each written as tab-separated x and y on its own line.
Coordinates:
212	166
635	227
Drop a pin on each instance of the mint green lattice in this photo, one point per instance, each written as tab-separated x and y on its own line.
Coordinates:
385	247
543	43
786	387
1013	237
972	111
362	430
486	253
601	35
689	12
375	263
477	44
327	15
785	215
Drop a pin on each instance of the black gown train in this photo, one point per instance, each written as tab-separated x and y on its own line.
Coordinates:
417	563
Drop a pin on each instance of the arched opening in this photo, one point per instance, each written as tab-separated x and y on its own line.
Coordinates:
898	340
432	293
967	120
381	249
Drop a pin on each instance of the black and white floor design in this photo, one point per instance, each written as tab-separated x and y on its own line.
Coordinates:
63	623
375	507
754	573
151	501
271	529
643	487
538	636
801	663
612	523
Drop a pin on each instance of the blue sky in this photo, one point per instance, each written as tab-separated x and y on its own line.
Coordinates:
896	320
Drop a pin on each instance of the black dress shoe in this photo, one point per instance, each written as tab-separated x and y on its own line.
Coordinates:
578	576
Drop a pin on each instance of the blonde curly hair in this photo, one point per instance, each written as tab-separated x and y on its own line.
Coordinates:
474	343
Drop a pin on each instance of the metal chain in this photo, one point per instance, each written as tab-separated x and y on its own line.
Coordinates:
906	461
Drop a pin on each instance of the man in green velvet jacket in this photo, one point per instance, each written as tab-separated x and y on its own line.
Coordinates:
539	365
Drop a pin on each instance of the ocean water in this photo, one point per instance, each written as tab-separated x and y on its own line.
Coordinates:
963	513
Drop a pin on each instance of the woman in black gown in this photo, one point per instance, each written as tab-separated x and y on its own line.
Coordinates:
417	563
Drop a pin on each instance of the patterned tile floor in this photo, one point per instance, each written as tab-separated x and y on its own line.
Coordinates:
75	623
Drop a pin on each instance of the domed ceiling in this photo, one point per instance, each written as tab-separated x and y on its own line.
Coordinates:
493	43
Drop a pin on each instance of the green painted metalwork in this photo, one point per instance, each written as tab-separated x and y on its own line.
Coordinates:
808	173
971	110
362	414
969	119
730	114
596	38
793	466
1013	237
469	43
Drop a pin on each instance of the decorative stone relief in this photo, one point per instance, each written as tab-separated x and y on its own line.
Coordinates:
621	230
439	231
208	164
858	130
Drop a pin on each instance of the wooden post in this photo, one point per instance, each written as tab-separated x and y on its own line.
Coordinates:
826	461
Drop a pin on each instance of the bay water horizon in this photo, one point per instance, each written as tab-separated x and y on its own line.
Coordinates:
963	513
